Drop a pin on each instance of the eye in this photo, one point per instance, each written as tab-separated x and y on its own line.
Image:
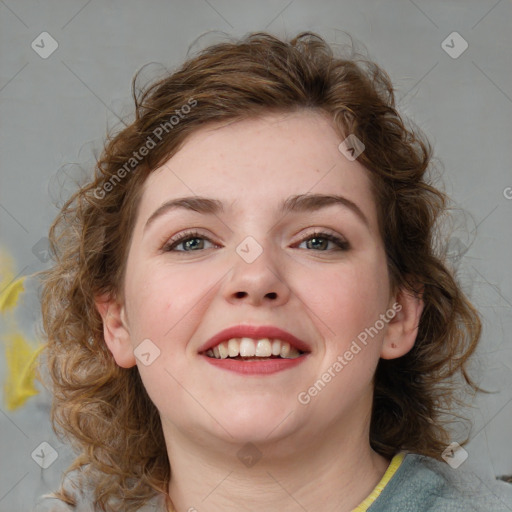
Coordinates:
190	241
320	242
193	241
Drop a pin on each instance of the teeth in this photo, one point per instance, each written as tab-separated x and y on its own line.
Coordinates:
263	348
233	347
294	353
223	350
247	347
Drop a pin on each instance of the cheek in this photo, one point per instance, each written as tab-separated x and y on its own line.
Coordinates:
346	300
346	306
165	301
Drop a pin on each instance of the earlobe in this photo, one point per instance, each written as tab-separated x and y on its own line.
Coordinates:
403	327
116	331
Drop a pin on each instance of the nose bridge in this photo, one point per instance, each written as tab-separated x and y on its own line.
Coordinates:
256	275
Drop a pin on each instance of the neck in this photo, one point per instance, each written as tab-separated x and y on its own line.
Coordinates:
333	472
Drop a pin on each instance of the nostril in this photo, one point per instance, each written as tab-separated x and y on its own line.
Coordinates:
270	295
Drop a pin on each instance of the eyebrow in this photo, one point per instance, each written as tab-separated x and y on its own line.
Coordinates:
294	204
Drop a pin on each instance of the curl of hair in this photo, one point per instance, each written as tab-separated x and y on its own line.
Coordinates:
104	410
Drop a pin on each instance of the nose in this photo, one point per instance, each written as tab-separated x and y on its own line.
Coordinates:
257	283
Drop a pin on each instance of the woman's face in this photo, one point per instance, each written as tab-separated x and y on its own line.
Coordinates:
318	273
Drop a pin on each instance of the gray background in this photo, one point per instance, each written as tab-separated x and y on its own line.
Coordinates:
55	111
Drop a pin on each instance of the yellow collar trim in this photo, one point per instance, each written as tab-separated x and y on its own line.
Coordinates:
393	466
363	506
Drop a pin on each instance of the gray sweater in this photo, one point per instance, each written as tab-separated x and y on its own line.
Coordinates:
420	484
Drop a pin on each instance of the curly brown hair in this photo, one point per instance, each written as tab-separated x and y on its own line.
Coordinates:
103	409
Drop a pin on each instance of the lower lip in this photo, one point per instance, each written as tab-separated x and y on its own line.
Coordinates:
266	367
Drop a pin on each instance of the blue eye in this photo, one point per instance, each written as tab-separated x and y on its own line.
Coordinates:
192	241
320	242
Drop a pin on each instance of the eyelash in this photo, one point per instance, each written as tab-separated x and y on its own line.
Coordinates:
342	244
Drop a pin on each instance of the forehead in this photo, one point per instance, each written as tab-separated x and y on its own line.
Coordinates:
259	162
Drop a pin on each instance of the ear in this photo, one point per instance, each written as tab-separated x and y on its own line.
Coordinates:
403	327
115	330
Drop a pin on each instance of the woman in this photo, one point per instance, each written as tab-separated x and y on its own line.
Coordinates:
246	309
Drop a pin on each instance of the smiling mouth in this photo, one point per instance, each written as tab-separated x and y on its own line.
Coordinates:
248	349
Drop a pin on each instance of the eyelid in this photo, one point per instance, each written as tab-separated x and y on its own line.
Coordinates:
339	240
322	231
175	240
328	234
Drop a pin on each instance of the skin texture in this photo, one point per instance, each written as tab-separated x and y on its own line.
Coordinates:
316	455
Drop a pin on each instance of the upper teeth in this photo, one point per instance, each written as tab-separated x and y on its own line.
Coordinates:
247	347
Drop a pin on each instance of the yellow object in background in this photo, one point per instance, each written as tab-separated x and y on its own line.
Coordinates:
9	297
20	354
21	367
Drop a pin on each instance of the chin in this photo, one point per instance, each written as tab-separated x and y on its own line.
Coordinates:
256	420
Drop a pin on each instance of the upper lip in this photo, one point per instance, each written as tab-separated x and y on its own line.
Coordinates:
255	332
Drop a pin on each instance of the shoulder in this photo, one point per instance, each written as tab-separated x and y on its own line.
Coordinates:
424	484
82	494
